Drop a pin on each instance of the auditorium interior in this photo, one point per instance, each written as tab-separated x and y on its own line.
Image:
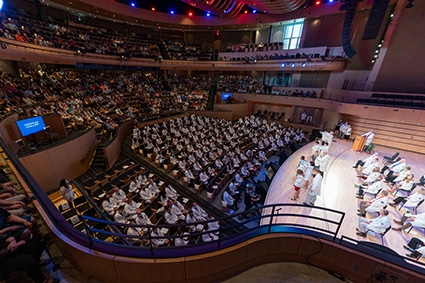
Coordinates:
212	141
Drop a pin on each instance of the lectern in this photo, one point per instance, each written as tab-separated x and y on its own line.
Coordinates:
358	144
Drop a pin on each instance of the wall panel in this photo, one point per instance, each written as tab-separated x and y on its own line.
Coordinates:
68	160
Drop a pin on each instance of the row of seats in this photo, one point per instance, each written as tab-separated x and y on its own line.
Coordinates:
391	103
73	212
398	97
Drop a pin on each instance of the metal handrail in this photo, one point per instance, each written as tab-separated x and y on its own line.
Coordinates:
273	221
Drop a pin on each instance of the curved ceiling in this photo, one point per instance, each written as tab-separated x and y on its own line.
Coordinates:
232	8
269	12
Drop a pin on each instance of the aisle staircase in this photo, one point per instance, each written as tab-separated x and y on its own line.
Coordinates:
99	161
211	97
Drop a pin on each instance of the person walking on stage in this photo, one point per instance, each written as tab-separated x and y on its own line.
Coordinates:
315	187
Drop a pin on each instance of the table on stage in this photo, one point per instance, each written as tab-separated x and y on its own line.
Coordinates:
358	144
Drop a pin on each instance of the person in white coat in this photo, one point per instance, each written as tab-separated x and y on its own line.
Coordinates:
415	221
372	189
372	177
66	190
410	201
367	169
314	188
374	205
369	137
323	162
377	225
407	185
365	162
110	205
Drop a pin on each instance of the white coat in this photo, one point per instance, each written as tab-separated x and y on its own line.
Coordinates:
377	204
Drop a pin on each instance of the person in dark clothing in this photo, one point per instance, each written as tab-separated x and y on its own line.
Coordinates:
23	255
250	200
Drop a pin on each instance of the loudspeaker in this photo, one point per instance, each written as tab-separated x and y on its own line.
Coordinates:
346	28
375	19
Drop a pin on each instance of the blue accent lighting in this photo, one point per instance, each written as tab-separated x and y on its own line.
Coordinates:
293	65
132	4
283	65
172	12
254	11
208	14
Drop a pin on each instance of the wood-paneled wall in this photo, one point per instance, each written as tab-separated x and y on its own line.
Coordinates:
401	135
68	160
228	262
113	149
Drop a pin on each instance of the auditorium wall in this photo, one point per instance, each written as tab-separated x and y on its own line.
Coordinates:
68	160
402	68
8	67
323	31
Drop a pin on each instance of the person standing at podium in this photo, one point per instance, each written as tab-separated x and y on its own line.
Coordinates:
369	138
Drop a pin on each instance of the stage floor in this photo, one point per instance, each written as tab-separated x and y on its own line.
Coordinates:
338	191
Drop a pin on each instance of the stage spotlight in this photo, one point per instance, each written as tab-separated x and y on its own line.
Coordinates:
283	65
208	14
172	12
254	11
304	64
293	65
410	4
132	4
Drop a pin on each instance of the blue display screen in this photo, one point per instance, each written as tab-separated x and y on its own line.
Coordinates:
31	125
225	96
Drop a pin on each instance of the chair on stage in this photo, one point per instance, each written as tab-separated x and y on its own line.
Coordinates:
390	159
419	226
372	194
415	208
407	191
380	234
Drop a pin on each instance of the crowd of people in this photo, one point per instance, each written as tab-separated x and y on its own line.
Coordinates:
88	39
239	83
99	99
296	93
190	52
21	243
388	182
201	148
83	40
254	47
129	205
310	171
343	130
